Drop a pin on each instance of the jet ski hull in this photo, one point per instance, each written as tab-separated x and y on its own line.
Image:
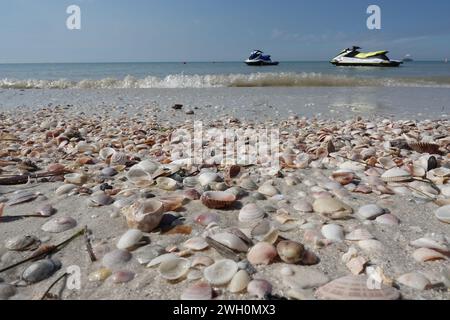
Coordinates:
261	63
388	64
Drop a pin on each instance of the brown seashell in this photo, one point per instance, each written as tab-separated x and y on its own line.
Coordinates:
218	200
192	194
290	251
425	147
344	178
85	160
171	203
356	288
56	167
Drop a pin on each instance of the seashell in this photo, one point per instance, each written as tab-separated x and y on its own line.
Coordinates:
6	291
303	206
387	163
438	244
174	269
167	184
56	167
332	208
171	203
207	178
192	194
370	211
260	229
118	158
425	147
414	280
65	189
396	175
205	219
310	258
46	210
417	171
333	232
218	199
20	197
358	235
371	245
356	265
425	255
41	270
268	190
149	166
388	219
130	239
248	184
139	177
201	291
106	153
76	178
343	177
22	243
194	274
124	202
109	172
60	224
122	276
443	214
262	254
190	182
162	258
144	215
290	251
115	259
239	282
147	253
231	241
99	275
259	288
196	244
100	199
251	213
221	272
204	261
356	288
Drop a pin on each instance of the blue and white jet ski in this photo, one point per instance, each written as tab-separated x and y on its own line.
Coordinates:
257	58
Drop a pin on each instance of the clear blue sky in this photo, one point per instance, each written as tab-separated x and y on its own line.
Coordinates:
205	30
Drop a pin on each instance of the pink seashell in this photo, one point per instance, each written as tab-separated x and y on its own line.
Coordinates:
198	291
388	219
414	280
204	261
205	219
122	277
192	194
259	288
262	253
359	234
425	255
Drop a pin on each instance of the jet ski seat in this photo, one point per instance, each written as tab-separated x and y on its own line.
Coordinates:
365	55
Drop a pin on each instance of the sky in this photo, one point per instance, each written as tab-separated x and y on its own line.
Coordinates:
213	30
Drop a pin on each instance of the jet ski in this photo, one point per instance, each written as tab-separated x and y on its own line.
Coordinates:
353	57
257	58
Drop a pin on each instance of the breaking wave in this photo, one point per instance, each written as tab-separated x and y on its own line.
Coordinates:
226	80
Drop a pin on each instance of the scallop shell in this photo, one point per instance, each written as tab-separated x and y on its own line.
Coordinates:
60	224
144	215
201	291
425	147
130	239
370	211
259	288
41	270
207	178
218	199
116	259
443	214
196	244
248	184
239	282
167	184
251	213
106	153
221	272
332	208
22	243
333	232
396	175
290	251
174	269
356	288
100	199
358	235
262	253
268	190
414	280
231	241
303	206
425	255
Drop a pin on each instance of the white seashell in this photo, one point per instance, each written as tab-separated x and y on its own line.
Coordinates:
76	178
196	244
248	184
207	178
22	243
443	214
414	280
221	272
194	274
262	253
116	259
130	239
65	189
162	258
303	206
268	190
371	246
201	291
358	235
387	163
60	224
370	211
148	166
139	177
203	261
100	199
425	254
435	244
387	219
231	241
144	215
105	153
396	175
333	232
239	282
251	213
167	184
333	208
259	288
174	269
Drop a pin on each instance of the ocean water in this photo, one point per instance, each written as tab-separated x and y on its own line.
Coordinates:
219	74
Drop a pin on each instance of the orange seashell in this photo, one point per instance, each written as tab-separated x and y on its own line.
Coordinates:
344	178
172	203
56	167
85	160
218	200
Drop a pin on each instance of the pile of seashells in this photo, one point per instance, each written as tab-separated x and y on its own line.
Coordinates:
234	231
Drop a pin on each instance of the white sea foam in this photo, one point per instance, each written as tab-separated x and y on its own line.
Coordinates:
283	79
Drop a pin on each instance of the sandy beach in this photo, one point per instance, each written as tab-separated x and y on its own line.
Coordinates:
361	192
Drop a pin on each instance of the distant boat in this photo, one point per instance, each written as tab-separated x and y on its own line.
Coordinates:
446	60
257	58
408	58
